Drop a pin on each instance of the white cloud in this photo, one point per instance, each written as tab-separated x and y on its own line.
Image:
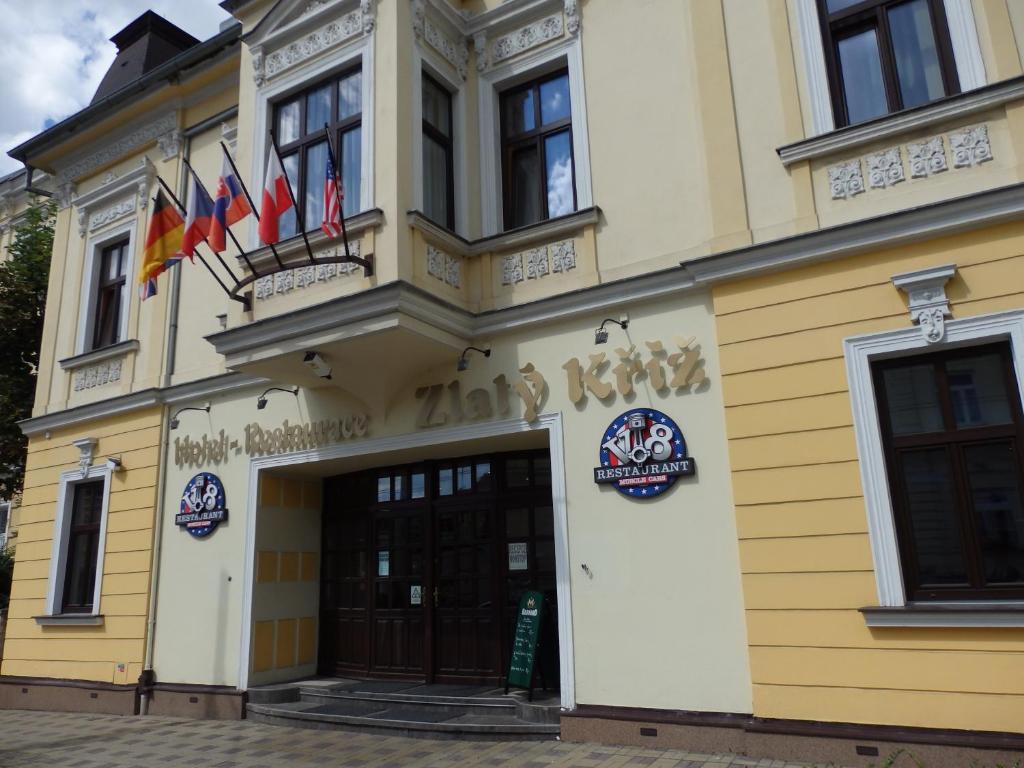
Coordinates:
55	52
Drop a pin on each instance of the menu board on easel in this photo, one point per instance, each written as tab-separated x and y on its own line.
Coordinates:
524	642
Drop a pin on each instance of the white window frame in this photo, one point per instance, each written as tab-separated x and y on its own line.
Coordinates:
963	33
860	352
425	63
358	51
491	85
90	283
61	530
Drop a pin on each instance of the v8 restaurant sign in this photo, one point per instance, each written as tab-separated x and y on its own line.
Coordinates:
642	454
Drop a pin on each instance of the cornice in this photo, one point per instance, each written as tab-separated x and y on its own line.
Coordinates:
138	135
99	355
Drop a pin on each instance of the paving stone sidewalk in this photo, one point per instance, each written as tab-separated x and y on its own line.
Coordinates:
102	741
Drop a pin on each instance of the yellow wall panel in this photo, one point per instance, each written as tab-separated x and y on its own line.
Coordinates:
820	377
816	481
113	627
925	709
47	648
133	461
127	562
30	569
132	478
125	584
270	490
291	493
39	494
32	550
289	566
842	589
29	589
263	646
992	278
129	541
34	531
125	605
847	629
308	568
266	567
821	412
284	656
36	513
1005	303
816	447
844	552
307	641
100	671
138	498
26	608
130	520
802	518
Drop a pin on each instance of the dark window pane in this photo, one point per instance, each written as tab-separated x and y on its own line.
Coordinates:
927	477
861	67
437	107
517	472
917	56
316	168
483	475
517	523
465	477
542	471
560	187
351	171
977	388
288	122
913	399
418	485
838	5
318	109
287	225
526	182
350	96
108	316
543	521
993	474
545	559
87	504
519	112
435	181
554	100
445	482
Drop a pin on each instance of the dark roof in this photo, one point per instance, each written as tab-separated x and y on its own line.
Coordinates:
142	46
152	80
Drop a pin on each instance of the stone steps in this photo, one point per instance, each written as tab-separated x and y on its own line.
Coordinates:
437	711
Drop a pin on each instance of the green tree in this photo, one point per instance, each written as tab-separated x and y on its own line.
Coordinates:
23	281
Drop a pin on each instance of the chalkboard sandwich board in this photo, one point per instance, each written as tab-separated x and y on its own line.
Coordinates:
524	642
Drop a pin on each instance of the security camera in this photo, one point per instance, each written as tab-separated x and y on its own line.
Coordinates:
317	364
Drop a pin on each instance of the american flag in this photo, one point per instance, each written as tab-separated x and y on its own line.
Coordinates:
331	224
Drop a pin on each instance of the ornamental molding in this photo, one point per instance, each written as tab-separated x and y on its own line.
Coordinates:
970	146
845	180
885	168
444	266
229	133
455	53
115	198
927	157
169	144
114	150
526	38
926	298
539	262
305	276
97	375
86	447
360	21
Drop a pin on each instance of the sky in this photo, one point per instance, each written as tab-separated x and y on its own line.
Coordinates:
55	52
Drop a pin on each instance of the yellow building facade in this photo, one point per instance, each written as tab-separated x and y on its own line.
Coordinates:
613	338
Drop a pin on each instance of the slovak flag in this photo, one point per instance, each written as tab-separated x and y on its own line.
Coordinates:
276	200
229	206
198	216
331	224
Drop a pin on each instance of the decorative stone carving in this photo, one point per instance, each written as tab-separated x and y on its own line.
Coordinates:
456	55
512	269
970	146
418	14
444	266
536	263
229	133
318	41
106	216
572	17
926	295
169	144
368	13
115	198
452	271
885	168
563	256
927	157
65	193
86	446
480	49
435	262
259	74
114	150
99	374
845	180
525	38
304	276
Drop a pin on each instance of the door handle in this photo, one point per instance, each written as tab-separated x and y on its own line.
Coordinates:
435	597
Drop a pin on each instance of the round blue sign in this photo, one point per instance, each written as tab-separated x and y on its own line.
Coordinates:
642	453
203	505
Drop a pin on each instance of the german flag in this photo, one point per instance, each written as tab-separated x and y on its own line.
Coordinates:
163	244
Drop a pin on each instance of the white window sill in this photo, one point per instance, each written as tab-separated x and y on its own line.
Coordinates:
99	355
950	108
949	614
70	620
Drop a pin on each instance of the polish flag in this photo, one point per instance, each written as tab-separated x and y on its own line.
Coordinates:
276	200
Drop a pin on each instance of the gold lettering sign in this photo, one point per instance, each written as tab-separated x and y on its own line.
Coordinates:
685	366
267	441
445	404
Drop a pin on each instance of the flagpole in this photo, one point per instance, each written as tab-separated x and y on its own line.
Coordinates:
300	219
216	277
364	263
221	260
252	205
231	234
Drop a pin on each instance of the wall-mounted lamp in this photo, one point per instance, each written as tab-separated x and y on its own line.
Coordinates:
174	419
601	335
261	403
317	364
114	464
463	363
